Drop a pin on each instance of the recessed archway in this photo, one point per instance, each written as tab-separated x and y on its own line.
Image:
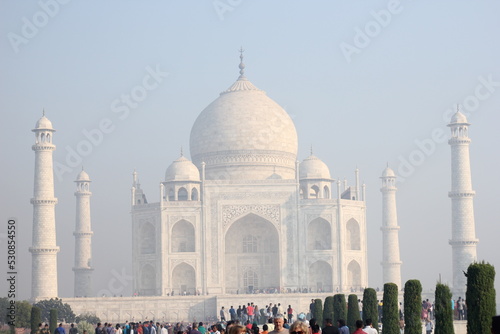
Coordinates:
183	279
320	277
251	255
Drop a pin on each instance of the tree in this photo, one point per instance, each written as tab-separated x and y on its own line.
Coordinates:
328	310
53	320
370	306
35	319
339	307
64	311
442	311
23	314
4	305
87	317
84	325
480	297
318	311
390	317
413	306
352	312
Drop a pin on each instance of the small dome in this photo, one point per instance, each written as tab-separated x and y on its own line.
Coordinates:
458	118
43	123
313	168
388	172
83	176
182	170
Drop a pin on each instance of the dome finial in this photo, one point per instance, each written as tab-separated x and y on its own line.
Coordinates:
311	149
43	111
241	66
182	152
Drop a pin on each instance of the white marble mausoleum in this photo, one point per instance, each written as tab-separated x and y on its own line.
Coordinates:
244	214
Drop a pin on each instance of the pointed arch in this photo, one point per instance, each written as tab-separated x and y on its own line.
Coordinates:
183	237
319	235
326	192
182	194
314	192
147	238
194	194
353	235
354	274
320	277
184	279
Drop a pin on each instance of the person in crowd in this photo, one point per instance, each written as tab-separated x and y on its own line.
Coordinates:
329	327
343	329
279	321
359	326
299	327
369	327
495	325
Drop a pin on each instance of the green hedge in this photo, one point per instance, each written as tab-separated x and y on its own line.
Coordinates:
413	307
442	310
370	306
390	317
480	297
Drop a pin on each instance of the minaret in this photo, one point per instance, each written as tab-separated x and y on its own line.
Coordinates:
83	236
44	249
391	261
463	233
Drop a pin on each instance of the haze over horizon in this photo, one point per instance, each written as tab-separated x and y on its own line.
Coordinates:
366	84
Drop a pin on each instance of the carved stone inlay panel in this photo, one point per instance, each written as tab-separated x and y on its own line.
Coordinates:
269	211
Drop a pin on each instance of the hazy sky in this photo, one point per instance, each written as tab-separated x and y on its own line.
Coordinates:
366	83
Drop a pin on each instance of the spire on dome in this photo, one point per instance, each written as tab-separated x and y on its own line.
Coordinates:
242	65
43	111
182	152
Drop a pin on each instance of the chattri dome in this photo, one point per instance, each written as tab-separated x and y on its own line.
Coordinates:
388	172
43	124
244	134
313	168
182	170
83	176
458	118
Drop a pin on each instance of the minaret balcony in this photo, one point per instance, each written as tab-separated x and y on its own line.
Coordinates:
83	234
45	201
43	147
461	194
390	228
471	242
52	250
459	141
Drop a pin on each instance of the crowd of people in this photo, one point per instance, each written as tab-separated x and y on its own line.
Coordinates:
277	324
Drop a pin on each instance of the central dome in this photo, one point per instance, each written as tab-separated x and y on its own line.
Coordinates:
244	134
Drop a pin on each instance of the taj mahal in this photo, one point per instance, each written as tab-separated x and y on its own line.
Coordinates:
243	216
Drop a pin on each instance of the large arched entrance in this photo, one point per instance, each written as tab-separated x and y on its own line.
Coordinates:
252	256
